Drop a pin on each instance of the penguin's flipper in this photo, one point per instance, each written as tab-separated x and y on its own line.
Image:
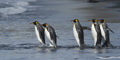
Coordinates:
110	30
86	28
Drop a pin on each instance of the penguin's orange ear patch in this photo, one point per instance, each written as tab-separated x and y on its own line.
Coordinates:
46	24
95	20
36	22
104	20
99	20
76	20
90	20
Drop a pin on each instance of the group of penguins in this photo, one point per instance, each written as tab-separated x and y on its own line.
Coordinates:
100	33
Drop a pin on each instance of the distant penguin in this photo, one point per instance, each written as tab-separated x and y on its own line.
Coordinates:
105	33
39	32
78	33
96	33
51	35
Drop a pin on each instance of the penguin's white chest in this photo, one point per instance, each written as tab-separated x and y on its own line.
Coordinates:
47	34
102	31
94	34
76	35
52	44
37	34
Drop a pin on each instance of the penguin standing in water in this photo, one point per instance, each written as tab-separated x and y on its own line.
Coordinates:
78	33
105	33
96	33
51	35
39	32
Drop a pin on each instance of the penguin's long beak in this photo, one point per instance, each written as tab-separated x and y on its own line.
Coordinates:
31	23
90	20
42	25
71	21
99	20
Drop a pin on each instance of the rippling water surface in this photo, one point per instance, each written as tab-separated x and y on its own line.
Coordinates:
18	40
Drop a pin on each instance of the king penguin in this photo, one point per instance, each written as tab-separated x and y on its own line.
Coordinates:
51	35
39	32
78	33
105	33
96	33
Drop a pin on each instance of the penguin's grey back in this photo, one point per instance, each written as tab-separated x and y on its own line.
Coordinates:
105	28
80	32
52	33
97	27
41	32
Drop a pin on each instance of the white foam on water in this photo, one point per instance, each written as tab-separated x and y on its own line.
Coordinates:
21	3
12	10
17	6
110	57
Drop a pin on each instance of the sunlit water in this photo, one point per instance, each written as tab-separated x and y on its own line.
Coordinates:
18	40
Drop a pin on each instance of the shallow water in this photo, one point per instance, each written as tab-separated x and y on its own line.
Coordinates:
18	40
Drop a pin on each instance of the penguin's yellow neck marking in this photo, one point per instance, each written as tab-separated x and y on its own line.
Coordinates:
95	20
103	20
46	28
101	24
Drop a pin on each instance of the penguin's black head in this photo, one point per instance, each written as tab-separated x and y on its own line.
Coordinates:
75	20
35	23
44	25
102	21
93	20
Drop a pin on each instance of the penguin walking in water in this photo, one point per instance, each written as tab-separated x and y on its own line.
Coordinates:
96	33
105	33
51	35
78	33
39	32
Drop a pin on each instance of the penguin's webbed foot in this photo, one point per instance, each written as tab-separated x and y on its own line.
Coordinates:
98	47
83	46
52	46
107	45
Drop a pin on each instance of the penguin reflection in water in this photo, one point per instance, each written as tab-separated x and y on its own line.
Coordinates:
39	32
51	35
78	33
96	33
105	33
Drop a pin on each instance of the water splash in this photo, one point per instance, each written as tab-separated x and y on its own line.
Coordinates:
109	57
31	46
